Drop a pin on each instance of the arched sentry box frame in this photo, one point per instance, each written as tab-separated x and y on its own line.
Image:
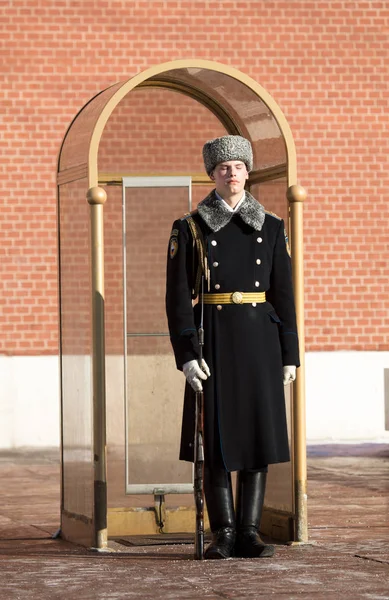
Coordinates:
243	107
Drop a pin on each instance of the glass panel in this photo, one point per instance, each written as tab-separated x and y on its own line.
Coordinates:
154	399
128	145
156	131
155	388
114	343
148	226
76	145
76	349
250	113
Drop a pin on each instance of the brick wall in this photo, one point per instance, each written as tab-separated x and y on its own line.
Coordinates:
325	64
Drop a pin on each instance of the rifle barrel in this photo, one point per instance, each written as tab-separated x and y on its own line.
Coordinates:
199	478
199	448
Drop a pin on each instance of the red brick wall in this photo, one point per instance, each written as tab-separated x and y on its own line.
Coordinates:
326	65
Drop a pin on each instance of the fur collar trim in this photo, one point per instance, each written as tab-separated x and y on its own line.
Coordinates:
217	216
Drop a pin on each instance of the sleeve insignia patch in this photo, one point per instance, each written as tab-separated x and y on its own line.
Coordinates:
174	233
287	242
173	246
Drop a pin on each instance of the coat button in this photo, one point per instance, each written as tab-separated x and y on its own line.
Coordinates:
254	304
215	264
257	284
258	261
259	240
214	243
217	286
219	307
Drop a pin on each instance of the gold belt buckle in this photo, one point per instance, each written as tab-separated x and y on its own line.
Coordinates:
237	298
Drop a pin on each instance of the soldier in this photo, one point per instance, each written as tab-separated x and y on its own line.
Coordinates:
251	344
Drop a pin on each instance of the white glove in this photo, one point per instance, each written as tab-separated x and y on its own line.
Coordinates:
289	374
194	374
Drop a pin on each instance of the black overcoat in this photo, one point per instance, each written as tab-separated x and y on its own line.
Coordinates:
246	345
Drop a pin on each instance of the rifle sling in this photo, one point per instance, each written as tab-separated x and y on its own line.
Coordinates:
199	243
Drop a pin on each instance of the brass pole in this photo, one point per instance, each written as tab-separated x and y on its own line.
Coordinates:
96	198
296	196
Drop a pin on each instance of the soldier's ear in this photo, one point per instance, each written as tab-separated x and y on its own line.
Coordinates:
212	176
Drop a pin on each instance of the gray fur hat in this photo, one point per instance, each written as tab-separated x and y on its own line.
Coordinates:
228	147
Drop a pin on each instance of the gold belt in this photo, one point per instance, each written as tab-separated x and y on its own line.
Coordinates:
234	298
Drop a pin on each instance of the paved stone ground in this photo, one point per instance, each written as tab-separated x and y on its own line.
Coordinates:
348	556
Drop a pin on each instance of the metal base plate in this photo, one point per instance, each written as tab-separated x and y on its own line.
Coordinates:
163	539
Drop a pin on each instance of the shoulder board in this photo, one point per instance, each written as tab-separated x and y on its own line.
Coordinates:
268	212
187	215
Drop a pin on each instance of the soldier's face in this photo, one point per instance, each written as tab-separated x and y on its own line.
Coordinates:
230	177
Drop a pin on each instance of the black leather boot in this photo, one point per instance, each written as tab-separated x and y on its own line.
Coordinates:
220	507
250	496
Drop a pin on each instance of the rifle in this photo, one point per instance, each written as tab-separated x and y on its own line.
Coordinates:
199	448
